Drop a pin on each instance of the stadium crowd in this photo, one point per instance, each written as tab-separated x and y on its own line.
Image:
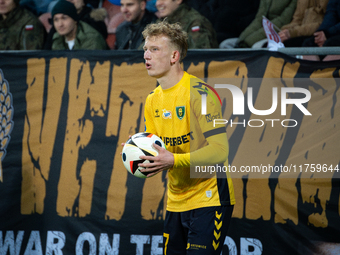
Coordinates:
114	24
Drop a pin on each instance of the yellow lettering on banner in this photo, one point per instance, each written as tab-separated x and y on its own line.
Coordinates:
315	187
126	117
278	68
314	156
273	138
286	199
285	189
323	73
82	88
40	130
197	70
228	69
238	211
315	193
87	173
150	206
324	110
98	92
269	138
237	73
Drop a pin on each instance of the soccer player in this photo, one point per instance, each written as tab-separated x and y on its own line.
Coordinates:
198	209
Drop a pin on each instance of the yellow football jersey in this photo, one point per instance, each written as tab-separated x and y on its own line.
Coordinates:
175	116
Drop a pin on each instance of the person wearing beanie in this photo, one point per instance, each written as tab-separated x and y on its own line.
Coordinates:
19	28
93	17
71	33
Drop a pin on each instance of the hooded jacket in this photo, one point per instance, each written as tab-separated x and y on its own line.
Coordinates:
87	38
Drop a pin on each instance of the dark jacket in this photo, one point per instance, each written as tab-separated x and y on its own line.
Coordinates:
200	30
87	38
93	17
129	35
331	21
21	30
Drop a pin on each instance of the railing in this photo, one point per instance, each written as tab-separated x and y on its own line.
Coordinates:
297	50
289	51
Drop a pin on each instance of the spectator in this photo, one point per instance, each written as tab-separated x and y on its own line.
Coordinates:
93	17
228	17
278	12
306	19
201	33
328	34
73	34
19	28
129	33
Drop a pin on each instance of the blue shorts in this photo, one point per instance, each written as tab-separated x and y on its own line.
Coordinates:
197	232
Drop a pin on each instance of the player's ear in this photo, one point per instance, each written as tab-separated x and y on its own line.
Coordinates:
175	56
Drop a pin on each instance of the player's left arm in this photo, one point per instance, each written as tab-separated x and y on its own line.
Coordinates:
215	152
216	149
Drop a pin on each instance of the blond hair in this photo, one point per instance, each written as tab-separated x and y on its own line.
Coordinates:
178	37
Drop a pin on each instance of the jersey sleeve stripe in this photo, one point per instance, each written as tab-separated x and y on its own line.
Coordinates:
214	132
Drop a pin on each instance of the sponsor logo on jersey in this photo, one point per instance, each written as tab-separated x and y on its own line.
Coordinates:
210	117
179	140
180	112
167	114
157	113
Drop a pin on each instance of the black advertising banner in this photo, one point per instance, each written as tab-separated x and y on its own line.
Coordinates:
64	189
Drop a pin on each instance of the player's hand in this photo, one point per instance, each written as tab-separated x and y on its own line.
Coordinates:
319	38
284	35
163	161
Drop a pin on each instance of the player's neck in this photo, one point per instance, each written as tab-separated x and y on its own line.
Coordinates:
171	79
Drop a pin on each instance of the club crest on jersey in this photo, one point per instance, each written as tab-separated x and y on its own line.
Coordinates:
166	114
180	112
157	113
